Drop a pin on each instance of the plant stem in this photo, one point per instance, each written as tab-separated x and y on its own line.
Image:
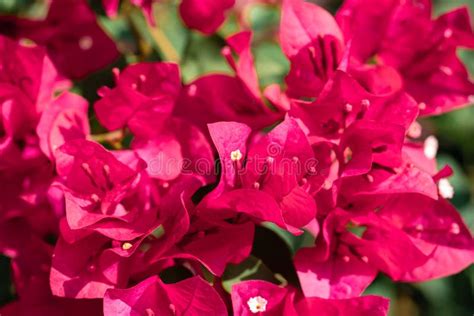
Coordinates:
164	44
113	138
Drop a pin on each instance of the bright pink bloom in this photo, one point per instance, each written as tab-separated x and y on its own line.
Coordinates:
176	149
104	194
263	179
231	243
31	261
204	15
382	182
313	42
343	264
143	98
28	81
438	230
368	142
254	297
216	244
111	7
63	119
360	306
343	101
426	59
218	97
192	296
86	268
67	37
27	197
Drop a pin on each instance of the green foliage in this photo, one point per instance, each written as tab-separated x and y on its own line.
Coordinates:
251	268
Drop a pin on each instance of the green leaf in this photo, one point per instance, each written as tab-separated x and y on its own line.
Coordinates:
158	232
203	56
169	21
251	268
293	242
263	17
272	66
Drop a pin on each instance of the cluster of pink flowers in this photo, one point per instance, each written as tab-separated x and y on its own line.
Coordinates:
336	152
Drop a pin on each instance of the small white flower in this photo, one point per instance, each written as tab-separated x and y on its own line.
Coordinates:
446	190
127	246
236	155
430	147
257	304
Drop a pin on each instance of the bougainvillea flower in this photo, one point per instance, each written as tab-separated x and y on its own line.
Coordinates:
422	155
313	42
339	104
368	142
253	297
31	260
27	197
244	67
261	297
265	176
86	268
28	81
382	182
231	243
143	98
343	264
360	306
111	7
340	276
426	60
192	296
329	160
63	119
85	264
377	79
18	143
179	239
218	97
332	269
438	230
174	224
177	148
343	101
29	69
52	306
204	15
303	23
29	254
67	37
103	193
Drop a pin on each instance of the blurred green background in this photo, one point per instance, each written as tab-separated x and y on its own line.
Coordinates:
198	55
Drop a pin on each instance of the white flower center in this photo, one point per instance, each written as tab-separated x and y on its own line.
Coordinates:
446	190
126	246
430	147
86	42
257	304
236	155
